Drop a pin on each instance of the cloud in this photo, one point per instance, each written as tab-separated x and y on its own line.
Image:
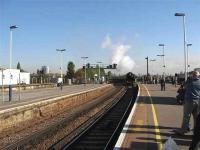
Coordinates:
124	62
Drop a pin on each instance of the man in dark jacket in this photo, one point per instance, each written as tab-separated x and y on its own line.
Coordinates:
191	102
162	84
196	137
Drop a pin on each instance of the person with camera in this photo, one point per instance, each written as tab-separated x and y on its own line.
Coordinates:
191	102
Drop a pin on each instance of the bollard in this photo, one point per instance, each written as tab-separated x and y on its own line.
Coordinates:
10	93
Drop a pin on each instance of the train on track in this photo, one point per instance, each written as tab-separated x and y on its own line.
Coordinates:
130	79
126	80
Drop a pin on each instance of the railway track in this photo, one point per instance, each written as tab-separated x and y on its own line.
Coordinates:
103	131
32	140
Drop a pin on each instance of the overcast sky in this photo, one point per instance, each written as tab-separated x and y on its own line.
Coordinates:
110	31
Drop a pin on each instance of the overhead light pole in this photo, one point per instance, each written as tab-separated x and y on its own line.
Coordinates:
2	84
147	58
61	61
84	58
11	43
152	60
160	56
10	64
188	66
99	63
184	34
163	56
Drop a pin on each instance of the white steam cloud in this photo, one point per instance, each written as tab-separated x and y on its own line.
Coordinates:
124	62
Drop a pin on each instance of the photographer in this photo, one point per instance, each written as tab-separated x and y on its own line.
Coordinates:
191	102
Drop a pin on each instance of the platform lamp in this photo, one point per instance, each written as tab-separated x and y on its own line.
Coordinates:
163	56
2	84
61	61
11	47
160	56
188	66
184	36
152	60
147	58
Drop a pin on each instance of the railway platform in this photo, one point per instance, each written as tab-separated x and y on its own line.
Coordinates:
39	95
152	120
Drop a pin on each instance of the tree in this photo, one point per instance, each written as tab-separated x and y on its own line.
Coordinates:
38	71
79	74
41	75
19	67
70	70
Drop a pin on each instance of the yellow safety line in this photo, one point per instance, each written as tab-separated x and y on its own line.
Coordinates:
157	130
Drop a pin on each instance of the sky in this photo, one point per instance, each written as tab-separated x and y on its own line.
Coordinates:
110	31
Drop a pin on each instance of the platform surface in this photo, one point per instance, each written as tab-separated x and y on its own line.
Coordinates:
36	95
155	116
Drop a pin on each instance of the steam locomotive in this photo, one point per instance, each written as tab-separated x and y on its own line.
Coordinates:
130	78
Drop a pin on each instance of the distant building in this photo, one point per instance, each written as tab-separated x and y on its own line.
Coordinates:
45	69
13	77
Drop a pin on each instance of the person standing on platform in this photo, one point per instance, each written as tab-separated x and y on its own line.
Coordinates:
196	137
162	84
175	81
191	102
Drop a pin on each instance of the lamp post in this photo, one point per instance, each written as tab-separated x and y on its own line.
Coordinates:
11	31
84	58
163	56
160	56
11	45
188	57
99	70
184	34
147	58
61	74
152	60
2	84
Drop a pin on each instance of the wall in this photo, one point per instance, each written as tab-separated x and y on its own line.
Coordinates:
13	117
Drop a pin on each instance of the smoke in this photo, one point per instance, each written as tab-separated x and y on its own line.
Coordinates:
124	62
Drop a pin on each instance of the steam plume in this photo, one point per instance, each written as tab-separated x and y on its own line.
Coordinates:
124	63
